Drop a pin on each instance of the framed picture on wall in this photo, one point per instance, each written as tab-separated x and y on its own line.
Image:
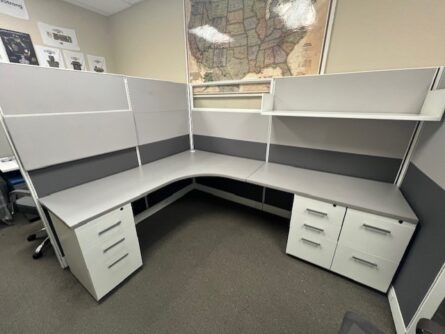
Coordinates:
74	60
97	64
58	36
49	57
3	55
244	41
18	47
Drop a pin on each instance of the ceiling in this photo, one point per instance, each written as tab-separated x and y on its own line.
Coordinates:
104	7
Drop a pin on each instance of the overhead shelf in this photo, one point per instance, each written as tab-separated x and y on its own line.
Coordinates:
403	95
249	111
357	115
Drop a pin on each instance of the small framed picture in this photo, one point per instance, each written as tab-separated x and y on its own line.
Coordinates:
97	64
49	57
3	55
74	60
18	47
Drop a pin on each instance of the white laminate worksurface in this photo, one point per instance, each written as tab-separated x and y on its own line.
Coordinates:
372	196
77	205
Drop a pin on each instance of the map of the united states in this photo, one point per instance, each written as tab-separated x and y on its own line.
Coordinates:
235	39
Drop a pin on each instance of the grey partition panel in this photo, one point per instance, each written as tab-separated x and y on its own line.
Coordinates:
55	178
238	148
368	149
163	148
52	139
350	164
5	148
368	137
426	254
156	126
430	152
424	188
238	126
441	84
34	90
395	91
154	95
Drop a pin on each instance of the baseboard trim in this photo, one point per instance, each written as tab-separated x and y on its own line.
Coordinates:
159	206
396	312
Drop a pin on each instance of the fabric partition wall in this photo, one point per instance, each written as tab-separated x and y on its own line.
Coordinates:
424	188
239	134
68	127
369	149
161	117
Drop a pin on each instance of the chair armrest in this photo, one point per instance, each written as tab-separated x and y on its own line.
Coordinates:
426	326
13	195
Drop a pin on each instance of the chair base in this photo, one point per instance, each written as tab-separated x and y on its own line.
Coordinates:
40	234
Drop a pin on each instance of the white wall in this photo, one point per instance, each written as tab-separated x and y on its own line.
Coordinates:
148	40
382	34
91	29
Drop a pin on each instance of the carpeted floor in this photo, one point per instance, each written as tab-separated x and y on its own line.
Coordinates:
210	266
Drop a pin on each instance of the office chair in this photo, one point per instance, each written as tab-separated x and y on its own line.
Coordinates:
426	326
21	200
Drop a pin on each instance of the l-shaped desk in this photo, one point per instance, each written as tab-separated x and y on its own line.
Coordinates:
367	223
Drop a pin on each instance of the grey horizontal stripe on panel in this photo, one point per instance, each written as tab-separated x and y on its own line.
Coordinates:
55	178
426	253
239	148
164	148
350	164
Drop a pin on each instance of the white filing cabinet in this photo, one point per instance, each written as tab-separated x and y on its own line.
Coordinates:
102	252
362	246
370	248
314	230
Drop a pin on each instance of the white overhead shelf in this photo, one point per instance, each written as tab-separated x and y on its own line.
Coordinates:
358	115
249	111
403	95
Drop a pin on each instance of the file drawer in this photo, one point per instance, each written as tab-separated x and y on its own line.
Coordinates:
316	217
106	228
376	235
368	269
110	266
315	249
102	252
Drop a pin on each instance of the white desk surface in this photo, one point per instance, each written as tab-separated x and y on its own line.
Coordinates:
356	193
82	203
8	164
79	204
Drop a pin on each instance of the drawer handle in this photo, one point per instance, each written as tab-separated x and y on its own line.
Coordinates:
310	242
315	212
371	264
109	228
317	229
117	261
114	245
376	229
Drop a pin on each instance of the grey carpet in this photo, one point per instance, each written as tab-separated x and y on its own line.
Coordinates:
210	266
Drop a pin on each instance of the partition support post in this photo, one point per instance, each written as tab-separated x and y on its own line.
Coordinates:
408	154
189	87
130	108
327	37
415	137
34	195
190	107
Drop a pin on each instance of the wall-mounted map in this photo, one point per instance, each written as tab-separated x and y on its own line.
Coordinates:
249	39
